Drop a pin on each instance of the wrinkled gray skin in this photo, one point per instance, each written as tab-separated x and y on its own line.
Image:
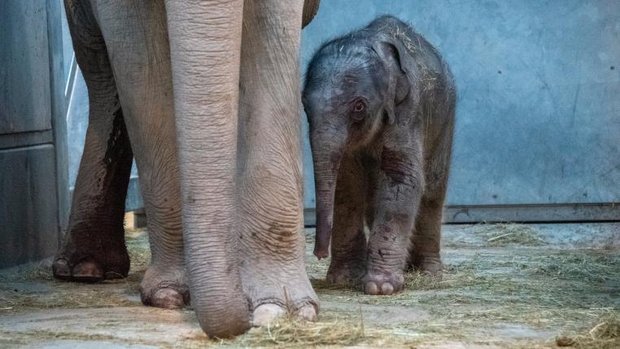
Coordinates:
206	95
380	102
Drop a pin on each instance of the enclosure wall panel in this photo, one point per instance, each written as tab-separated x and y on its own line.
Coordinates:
29	208
33	188
25	103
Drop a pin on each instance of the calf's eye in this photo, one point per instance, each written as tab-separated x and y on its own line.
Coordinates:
359	106
358	109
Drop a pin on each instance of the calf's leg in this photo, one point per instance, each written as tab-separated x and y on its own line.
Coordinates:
348	245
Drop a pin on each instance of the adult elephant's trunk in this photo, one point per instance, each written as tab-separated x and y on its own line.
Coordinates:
205	42
326	157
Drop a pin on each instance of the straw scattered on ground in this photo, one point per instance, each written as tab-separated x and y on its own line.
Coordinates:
502	285
293	333
32	286
505	234
604	335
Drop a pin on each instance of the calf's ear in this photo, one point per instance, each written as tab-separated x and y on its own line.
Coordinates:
399	64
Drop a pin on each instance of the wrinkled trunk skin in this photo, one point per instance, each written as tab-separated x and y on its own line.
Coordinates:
326	165
205	39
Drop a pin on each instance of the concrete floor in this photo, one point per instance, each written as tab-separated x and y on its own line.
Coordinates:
496	293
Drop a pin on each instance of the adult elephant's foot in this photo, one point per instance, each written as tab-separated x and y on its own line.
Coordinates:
165	287
90	263
276	286
279	299
346	273
383	283
268	313
427	264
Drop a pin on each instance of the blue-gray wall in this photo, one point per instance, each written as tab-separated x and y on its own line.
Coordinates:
539	93
538	112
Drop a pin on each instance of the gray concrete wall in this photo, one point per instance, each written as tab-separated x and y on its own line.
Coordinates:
538	112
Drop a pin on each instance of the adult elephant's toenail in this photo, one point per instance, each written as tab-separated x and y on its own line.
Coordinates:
267	313
61	269
87	271
307	313
167	298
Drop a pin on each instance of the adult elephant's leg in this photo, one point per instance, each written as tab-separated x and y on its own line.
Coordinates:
136	36
270	189
94	247
205	39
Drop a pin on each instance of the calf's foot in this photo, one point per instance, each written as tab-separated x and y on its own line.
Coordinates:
348	273
429	264
383	282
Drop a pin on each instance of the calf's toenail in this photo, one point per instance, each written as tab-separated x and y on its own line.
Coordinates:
371	288
387	288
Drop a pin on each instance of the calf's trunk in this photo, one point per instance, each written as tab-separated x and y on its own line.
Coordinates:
326	158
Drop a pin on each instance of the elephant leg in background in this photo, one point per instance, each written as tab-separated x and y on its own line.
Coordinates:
424	254
136	36
348	245
425	239
270	173
94	246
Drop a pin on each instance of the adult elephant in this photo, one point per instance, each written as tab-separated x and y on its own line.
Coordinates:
227	72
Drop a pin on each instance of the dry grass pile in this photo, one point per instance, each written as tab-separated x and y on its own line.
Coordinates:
604	335
33	286
504	286
138	248
505	234
421	281
71	296
291	333
534	288
586	266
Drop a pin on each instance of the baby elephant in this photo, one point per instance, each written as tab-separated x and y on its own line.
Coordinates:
380	102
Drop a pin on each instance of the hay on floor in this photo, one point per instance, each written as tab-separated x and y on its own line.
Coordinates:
604	335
